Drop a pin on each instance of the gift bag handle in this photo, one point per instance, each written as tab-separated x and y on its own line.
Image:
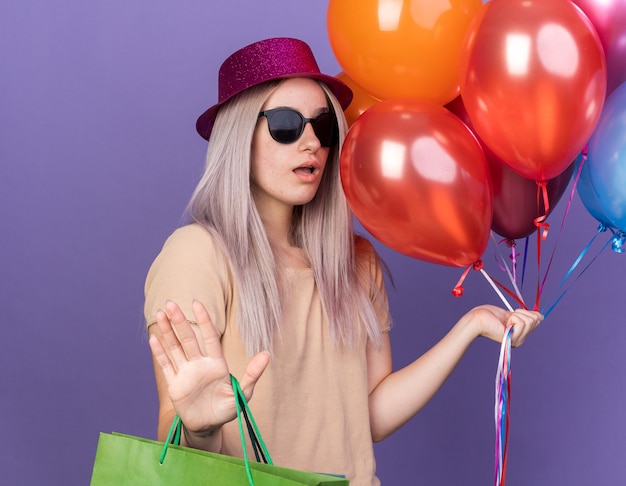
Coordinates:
260	450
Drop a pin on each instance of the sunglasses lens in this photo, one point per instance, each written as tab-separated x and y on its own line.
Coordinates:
285	126
324	128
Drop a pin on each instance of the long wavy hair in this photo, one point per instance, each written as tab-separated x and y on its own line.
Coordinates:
222	202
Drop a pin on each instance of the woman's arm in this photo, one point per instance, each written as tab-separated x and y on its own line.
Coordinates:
397	396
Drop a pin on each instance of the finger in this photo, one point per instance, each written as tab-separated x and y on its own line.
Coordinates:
529	315
162	359
254	370
531	318
169	340
210	337
186	337
523	322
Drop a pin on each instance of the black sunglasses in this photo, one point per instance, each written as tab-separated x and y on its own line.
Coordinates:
286	125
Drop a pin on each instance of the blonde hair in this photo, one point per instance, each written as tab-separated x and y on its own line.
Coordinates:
222	202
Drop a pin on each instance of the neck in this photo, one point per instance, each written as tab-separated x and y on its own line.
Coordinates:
277	225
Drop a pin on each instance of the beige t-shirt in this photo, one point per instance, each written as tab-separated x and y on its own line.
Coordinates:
311	404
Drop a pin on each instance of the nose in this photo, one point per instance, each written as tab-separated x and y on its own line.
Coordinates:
308	138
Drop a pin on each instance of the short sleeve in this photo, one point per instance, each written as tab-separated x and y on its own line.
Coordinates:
190	267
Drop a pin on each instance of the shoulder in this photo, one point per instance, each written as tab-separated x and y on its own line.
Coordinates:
189	235
189	267
192	241
194	248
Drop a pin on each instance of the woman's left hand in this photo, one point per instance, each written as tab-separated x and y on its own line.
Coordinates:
492	322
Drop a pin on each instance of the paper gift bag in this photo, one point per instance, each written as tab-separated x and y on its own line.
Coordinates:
127	460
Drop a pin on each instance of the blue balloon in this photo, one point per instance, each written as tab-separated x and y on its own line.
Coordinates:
587	194
607	158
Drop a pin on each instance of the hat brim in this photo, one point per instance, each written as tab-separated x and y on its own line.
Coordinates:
343	93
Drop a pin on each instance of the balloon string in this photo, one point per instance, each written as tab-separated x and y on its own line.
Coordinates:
541	235
515	297
504	266
567	209
513	257
493	285
526	243
507	416
612	241
502	407
478	265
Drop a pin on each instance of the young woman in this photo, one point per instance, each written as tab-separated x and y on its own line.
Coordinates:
271	284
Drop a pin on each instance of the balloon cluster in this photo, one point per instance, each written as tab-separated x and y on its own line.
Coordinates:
464	111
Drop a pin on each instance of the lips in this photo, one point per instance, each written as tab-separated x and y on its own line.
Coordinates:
305	170
308	168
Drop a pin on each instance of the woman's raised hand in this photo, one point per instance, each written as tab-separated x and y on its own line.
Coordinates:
196	372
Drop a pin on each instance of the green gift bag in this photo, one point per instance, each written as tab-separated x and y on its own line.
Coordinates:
127	460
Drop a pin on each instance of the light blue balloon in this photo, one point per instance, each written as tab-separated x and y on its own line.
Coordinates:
607	158
587	195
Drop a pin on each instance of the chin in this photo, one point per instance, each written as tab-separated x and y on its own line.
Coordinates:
305	198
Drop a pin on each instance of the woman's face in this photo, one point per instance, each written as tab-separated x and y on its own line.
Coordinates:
287	175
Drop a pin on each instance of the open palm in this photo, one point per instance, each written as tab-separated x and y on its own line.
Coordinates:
195	370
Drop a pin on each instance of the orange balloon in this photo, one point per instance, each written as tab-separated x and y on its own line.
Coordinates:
417	179
401	48
361	100
533	81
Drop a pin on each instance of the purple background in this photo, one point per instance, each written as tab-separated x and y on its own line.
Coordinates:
98	157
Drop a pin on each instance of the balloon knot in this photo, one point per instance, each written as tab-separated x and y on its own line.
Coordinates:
585	151
457	291
478	265
619	240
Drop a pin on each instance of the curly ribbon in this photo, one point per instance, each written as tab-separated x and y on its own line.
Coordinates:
458	290
541	235
540	222
502	408
511	244
619	241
